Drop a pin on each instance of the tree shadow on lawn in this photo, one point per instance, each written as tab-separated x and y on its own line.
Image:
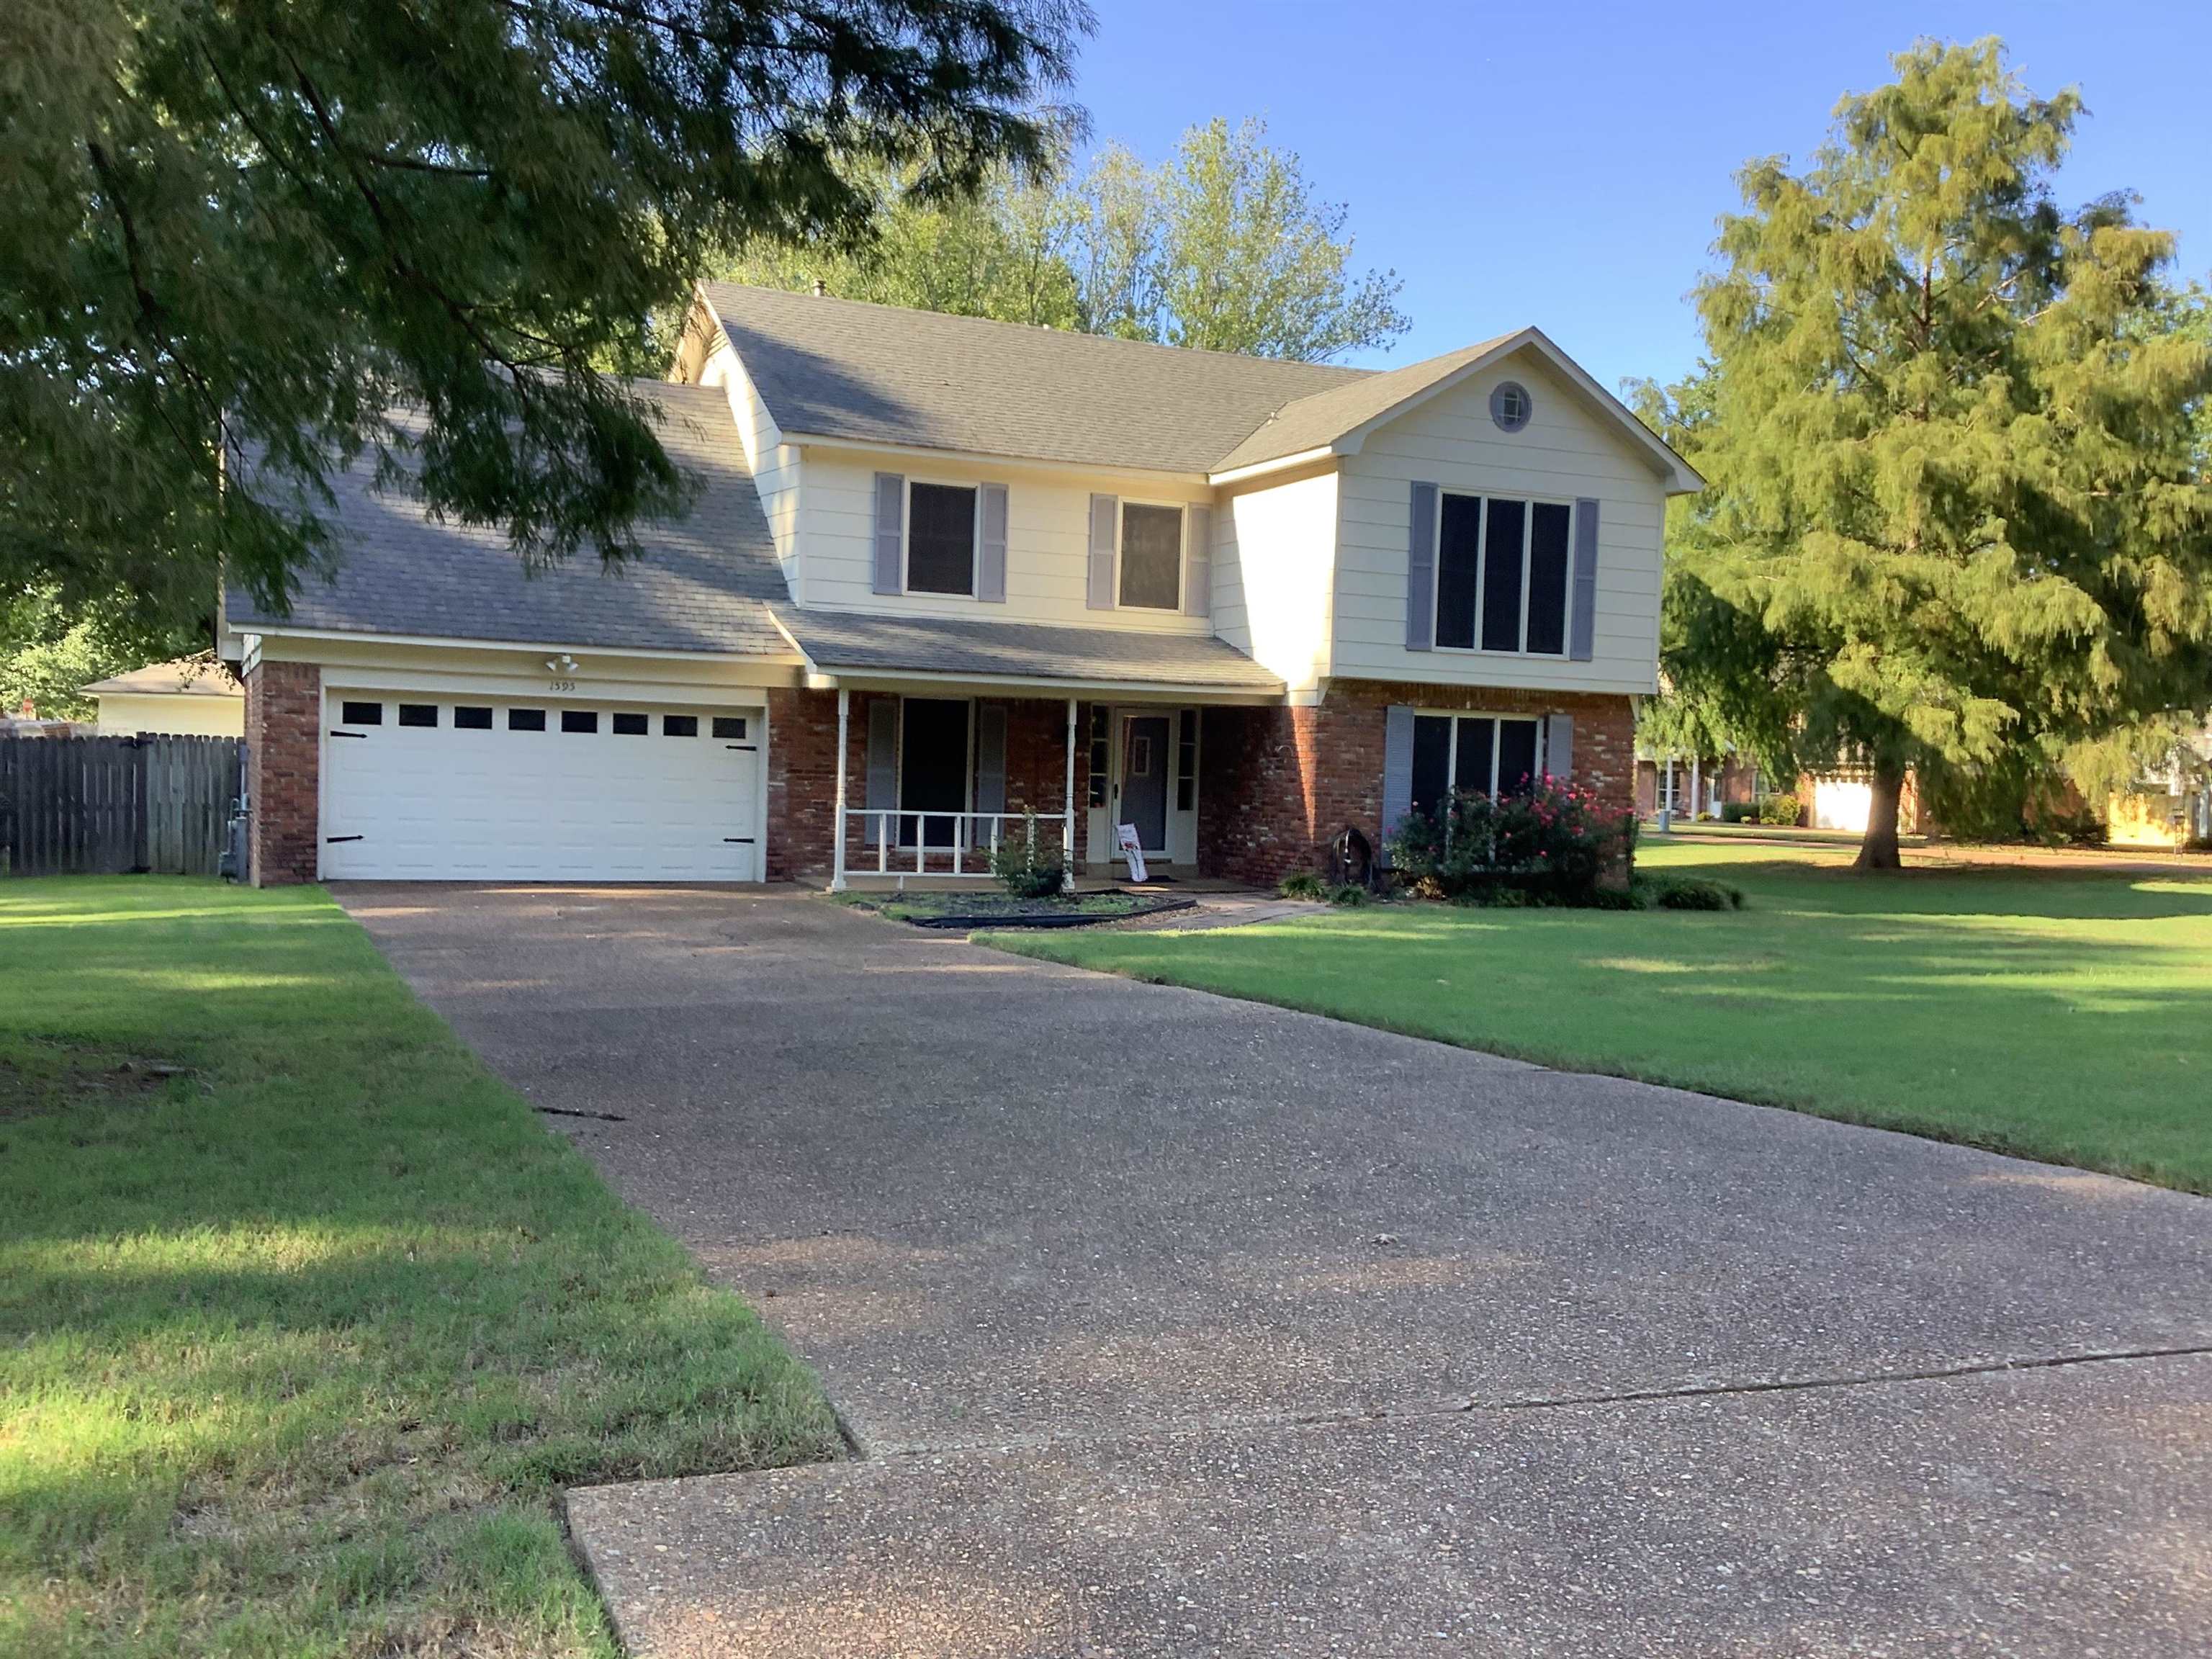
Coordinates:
1993	892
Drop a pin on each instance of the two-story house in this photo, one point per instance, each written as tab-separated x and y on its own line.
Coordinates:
939	571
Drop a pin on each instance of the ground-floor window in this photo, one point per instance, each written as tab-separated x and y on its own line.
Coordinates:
932	768
1480	754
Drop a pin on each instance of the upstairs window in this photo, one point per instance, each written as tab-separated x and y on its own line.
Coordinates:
940	543
1502	574
1152	557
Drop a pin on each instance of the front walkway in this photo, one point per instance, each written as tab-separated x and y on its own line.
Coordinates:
1173	1325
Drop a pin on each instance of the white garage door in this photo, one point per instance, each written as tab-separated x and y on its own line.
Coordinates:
444	790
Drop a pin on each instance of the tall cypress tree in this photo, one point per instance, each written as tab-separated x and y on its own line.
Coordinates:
1957	515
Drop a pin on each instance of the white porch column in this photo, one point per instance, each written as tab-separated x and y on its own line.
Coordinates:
837	827
1067	826
1696	788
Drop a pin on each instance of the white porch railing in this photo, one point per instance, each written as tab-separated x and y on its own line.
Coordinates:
967	855
902	843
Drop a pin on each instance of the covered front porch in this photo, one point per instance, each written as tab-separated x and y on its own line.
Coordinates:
932	780
951	735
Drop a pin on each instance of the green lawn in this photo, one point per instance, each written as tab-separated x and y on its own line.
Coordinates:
298	1342
2058	1015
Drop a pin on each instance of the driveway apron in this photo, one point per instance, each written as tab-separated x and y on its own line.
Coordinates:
1169	1324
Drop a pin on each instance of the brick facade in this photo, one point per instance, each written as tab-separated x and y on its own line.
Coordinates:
802	774
1278	785
283	771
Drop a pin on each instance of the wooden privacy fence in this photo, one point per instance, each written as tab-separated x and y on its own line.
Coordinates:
94	806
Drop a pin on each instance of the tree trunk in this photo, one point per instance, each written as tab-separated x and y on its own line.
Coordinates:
1879	850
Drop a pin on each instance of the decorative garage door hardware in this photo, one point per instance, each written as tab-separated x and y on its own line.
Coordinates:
331	841
349	734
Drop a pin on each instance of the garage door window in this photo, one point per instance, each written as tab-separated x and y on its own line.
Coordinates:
680	726
525	719
362	713
629	725
579	720
729	726
466	719
418	713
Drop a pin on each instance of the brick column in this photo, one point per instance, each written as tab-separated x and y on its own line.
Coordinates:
283	773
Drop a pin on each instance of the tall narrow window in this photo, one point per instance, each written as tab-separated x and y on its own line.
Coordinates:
1152	557
1475	764
1186	759
1101	728
940	540
1547	578
1432	760
1503	530
1458	571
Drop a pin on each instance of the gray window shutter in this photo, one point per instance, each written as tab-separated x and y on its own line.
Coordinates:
1420	584
1099	593
991	575
1197	569
882	763
1581	635
990	762
1559	746
891	538
1397	767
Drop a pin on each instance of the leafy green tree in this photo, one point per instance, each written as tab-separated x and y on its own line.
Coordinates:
999	253
1957	513
1249	260
1225	247
250	228
50	651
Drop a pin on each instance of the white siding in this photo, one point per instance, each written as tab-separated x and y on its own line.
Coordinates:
1048	541
1565	452
1273	547
124	715
774	463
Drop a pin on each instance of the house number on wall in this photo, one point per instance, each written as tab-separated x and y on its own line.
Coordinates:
561	685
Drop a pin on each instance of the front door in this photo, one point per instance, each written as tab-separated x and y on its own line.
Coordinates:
1145	759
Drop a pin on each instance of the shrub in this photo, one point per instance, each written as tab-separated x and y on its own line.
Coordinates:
1029	867
1782	809
1304	885
1349	894
1739	812
1552	845
2078	828
1687	893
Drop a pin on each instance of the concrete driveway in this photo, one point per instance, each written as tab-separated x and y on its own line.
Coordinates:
1167	1324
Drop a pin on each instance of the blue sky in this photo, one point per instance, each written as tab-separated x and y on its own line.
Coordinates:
1563	163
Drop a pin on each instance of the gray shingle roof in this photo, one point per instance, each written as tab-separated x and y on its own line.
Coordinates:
835	641
839	369
701	583
1321	418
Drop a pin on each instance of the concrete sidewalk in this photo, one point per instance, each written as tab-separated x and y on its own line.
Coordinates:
1177	1325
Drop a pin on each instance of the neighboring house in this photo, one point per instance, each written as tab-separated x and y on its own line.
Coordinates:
941	569
2171	806
189	698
